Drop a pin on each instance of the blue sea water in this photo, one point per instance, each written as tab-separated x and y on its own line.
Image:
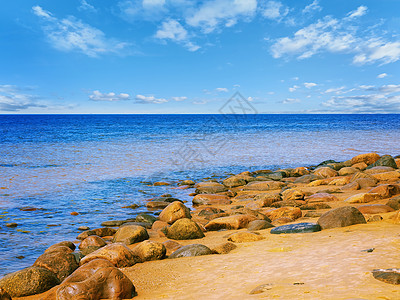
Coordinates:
96	164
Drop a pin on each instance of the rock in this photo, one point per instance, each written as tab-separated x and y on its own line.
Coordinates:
115	223
266	199
230	222
396	218
360	166
397	160
386	190
224	248
83	228
315	206
300	171
157	204
379	169
361	175
251	212
149	250
281	221
208	211
389	176
391	276
4	295
263	186
210	188
313	214
259	225
340	181
292	194
362	198
11	225
352	186
29	281
296	228
394	203
291	203
91	243
130	234
174	211
191	250
325	172
374	218
319	182
117	253
166	198
307	178
186	182
348	171
290	212
98	279
275	176
210	199
374	209
68	244
171	246
366	182
244	237
386	161
132	206
146	218
367	158
341	217
184	229
161	183
105	231
140	224
321	197
234	181
159	225
61	263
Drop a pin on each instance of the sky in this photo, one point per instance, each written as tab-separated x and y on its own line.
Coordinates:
194	57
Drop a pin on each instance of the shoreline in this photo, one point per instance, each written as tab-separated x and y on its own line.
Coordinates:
294	263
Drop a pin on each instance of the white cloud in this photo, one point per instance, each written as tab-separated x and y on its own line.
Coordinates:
86	6
367	87
153	3
290	100
312	7
309	85
386	52
179	98
13	98
98	96
227	12
132	10
150	99
294	88
390	88
71	34
174	31
222	90
383	75
335	90
275	10
360	11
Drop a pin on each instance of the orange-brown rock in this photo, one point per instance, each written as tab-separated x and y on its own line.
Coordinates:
300	171
149	250
91	243
245	236
281	221
352	186
4	295
360	166
341	217
184	229
375	209
234	181
211	199
263	186
130	234
174	211
397	161
340	181
321	197
292	194
348	171
104	231
171	246
325	172
362	198
230	222
387	176
224	248
290	212
386	190
209	187
158	225
367	158
378	169
266	199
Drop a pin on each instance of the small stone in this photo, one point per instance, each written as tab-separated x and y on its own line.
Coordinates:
244	237
296	228
132	206
161	183
290	212
74	213
11	225
157	204
191	250
104	231
82	228
391	276
368	250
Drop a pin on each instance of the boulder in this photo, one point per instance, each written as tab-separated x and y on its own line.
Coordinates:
146	218
352	186
296	228
29	281
385	190
174	211
244	237
230	222
315	206
367	158
210	199
98	279
59	262
321	197
184	229
266	199
210	188
224	248
341	217
130	234
360	166
234	181
365	182
149	250
385	161
387	176
307	178
91	243
300	171
157	204
117	253
361	175
391	276
394	203
209	211
259	225
191	250
104	231
374	209
281	221
68	244
325	172
4	295
292	194
340	181
379	169
289	212
348	171
263	186
362	198
171	246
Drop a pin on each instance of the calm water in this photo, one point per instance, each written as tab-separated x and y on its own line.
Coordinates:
95	164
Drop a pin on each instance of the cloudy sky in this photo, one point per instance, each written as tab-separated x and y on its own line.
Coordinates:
183	56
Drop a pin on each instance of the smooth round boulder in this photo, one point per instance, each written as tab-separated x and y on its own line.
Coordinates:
68	244
224	248
191	250
267	199
325	172
174	211
341	217
386	190
130	234
171	246
296	228
234	181
29	281
288	212
348	171
259	225
4	295
149	250
244	237
184	229
230	222
146	218
91	243
368	158
292	195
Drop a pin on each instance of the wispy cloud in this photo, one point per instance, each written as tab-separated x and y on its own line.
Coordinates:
382	75
360	11
71	34
290	101
274	10
133	10
222	90
85	6
98	96
309	85
14	98
293	88
174	31
313	7
182	98
150	99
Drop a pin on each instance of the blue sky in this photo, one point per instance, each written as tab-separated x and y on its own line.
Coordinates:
182	56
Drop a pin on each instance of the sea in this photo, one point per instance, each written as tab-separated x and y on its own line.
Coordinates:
53	165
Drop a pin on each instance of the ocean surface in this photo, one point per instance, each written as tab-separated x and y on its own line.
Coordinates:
52	165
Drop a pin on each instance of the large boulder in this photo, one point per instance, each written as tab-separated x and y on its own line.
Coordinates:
234	181
296	228
348	171
341	217
149	250
58	261
263	186
175	211
368	158
211	199
384	161
91	243
325	172
184	229
386	190
210	188
362	198
387	176
230	222
98	279
29	281
68	244
130	234
285	212
117	253
191	250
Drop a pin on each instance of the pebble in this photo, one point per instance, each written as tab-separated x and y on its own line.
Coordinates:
11	225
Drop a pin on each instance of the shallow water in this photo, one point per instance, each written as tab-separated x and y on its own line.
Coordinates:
95	164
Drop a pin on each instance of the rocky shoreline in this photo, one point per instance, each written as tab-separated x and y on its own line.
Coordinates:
242	211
